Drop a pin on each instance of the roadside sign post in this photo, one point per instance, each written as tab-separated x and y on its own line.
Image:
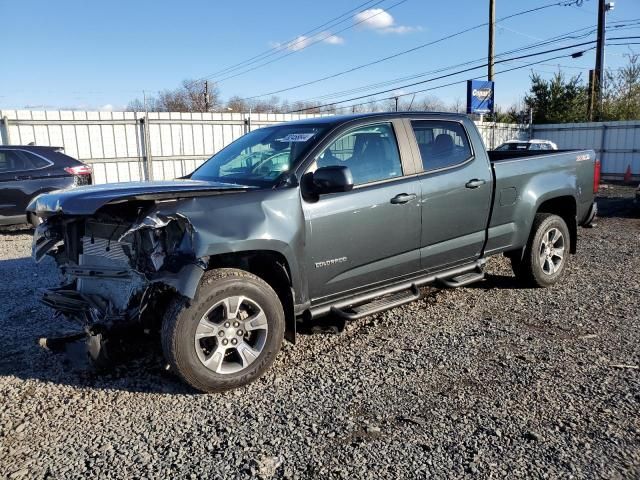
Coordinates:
480	97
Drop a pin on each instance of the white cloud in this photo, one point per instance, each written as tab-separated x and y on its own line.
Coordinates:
106	108
299	43
302	41
333	40
376	18
381	21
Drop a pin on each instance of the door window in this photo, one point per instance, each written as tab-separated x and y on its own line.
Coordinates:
17	160
370	152
442	144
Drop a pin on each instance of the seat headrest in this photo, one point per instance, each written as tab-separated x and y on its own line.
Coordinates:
443	144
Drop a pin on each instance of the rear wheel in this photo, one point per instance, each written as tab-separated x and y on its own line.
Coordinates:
228	336
546	253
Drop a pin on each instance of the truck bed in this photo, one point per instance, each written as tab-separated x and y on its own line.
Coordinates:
523	178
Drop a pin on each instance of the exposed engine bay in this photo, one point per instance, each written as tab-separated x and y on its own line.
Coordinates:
116	265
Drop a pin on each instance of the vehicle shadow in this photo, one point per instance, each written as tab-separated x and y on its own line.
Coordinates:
13	230
617	207
24	321
615	199
504	282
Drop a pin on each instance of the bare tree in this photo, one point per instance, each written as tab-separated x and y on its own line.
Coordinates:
458	106
432	104
190	97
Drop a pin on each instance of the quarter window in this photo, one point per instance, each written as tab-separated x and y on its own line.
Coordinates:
442	144
370	152
31	161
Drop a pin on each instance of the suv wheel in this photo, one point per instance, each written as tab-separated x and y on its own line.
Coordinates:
228	336
546	253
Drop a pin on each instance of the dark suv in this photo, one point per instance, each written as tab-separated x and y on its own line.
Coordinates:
28	171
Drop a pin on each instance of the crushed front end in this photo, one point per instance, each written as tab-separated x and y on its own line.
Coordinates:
116	267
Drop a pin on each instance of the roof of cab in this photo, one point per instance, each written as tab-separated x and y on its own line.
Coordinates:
339	119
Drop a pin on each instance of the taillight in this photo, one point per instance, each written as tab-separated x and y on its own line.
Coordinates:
596	176
79	170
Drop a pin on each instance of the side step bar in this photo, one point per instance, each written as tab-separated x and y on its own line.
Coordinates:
389	297
462	280
392	300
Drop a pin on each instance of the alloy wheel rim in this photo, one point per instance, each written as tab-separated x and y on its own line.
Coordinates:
552	250
231	335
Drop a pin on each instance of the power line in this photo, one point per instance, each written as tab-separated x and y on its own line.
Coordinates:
574	35
443	76
411	50
327	35
464	71
294	41
457	82
554	39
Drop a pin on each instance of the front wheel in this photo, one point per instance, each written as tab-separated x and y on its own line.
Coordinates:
546	253
230	333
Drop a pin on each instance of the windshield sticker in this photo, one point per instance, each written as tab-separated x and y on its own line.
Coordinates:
296	137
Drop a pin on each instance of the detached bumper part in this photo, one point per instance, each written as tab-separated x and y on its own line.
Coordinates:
44	240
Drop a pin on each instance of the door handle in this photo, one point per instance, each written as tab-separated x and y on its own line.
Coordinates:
475	183
23	177
403	198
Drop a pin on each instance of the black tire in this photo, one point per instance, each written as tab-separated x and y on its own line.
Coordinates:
530	269
182	318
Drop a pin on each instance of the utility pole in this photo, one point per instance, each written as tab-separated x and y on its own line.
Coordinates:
396	98
598	83
591	91
492	28
206	95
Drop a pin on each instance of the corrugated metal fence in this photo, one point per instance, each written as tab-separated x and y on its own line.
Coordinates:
617	144
125	146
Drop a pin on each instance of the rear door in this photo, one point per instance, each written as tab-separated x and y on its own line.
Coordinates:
371	234
456	186
22	174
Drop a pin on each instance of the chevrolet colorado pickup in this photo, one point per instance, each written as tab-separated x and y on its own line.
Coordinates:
345	215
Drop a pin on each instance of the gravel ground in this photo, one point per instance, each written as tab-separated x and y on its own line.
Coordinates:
492	381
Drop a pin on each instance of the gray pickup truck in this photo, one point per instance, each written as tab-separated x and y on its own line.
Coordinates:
346	215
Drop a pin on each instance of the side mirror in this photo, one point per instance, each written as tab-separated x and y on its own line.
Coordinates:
333	179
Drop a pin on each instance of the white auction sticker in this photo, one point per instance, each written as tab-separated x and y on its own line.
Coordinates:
296	137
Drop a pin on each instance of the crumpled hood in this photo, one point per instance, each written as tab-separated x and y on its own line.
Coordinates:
88	199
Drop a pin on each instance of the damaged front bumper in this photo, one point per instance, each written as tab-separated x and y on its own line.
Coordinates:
113	269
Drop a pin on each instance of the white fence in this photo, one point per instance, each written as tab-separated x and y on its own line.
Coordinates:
494	134
124	146
617	144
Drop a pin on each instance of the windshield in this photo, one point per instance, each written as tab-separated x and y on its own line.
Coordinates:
260	157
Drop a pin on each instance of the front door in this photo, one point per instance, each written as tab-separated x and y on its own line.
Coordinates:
371	234
456	194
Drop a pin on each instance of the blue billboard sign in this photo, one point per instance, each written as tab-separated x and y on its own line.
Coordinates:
479	97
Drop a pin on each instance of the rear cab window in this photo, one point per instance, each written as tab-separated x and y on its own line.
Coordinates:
442	144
